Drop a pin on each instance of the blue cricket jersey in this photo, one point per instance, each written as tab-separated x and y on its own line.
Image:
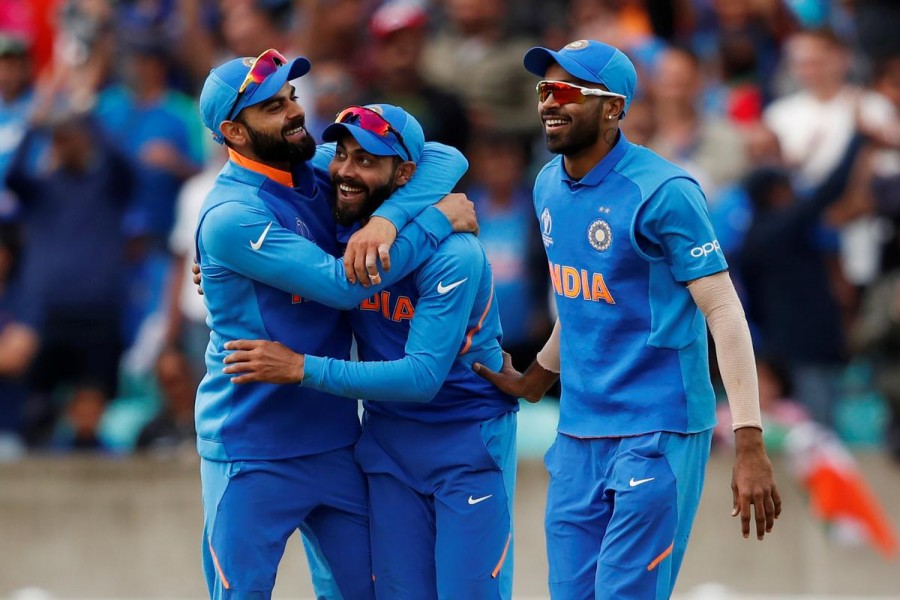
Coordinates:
418	340
267	254
621	244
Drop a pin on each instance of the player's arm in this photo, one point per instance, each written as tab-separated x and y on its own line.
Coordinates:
752	481
438	171
437	331
537	378
249	240
675	222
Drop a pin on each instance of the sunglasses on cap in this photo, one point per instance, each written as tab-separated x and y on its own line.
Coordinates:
569	93
262	66
369	120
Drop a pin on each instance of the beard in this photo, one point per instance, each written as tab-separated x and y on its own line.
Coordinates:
576	139
347	214
272	148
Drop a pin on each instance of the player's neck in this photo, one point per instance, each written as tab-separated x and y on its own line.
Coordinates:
580	163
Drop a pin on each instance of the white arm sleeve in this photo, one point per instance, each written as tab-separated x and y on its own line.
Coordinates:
717	300
548	357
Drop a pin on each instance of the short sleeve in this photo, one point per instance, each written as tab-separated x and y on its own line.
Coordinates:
674	225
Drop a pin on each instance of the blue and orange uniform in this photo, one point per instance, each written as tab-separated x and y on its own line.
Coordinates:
267	254
637	407
278	458
438	444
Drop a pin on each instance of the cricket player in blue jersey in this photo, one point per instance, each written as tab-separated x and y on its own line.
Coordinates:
635	267
438	445
278	458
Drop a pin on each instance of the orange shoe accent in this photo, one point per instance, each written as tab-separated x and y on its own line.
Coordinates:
219	567
477	328
502	558
661	557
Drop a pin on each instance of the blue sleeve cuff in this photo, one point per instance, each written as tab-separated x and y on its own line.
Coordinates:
394	213
434	223
313	370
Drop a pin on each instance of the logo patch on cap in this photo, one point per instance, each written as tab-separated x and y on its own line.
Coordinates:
376	108
576	45
248	61
600	235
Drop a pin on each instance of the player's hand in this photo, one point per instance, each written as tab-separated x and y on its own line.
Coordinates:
460	211
195	269
366	248
753	483
531	385
262	360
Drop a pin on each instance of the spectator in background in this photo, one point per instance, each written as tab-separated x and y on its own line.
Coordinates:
474	56
815	124
16	95
72	205
788	292
398	40
506	221
18	346
158	129
708	147
172	429
333	88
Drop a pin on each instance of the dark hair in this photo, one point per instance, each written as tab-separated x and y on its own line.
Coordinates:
759	185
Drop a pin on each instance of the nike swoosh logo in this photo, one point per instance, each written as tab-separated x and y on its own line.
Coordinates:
443	289
634	482
258	243
483	498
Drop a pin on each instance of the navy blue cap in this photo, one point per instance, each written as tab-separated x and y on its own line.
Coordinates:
222	84
389	145
591	61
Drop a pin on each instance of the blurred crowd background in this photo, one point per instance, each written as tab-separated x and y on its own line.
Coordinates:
786	112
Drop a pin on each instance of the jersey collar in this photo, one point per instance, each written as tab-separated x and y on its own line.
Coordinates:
283	177
595	176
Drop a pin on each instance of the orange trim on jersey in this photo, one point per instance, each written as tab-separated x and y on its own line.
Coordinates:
218	567
283	177
477	328
502	558
661	557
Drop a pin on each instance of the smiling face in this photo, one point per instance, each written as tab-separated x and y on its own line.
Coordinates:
272	131
362	180
572	128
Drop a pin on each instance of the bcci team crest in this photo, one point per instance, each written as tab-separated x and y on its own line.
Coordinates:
248	61
546	226
599	235
576	45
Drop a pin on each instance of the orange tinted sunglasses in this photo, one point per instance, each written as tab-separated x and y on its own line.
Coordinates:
569	93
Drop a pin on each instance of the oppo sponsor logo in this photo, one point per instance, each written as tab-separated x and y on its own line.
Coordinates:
705	249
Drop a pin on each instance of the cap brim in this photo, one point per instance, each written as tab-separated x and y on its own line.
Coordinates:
273	83
538	60
374	144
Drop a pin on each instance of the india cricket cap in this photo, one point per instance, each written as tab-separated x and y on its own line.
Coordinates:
591	61
388	145
223	82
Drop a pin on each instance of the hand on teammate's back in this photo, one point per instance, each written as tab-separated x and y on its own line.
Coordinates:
531	385
195	269
460	211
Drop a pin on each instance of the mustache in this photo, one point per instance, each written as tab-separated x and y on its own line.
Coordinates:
293	124
347	181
